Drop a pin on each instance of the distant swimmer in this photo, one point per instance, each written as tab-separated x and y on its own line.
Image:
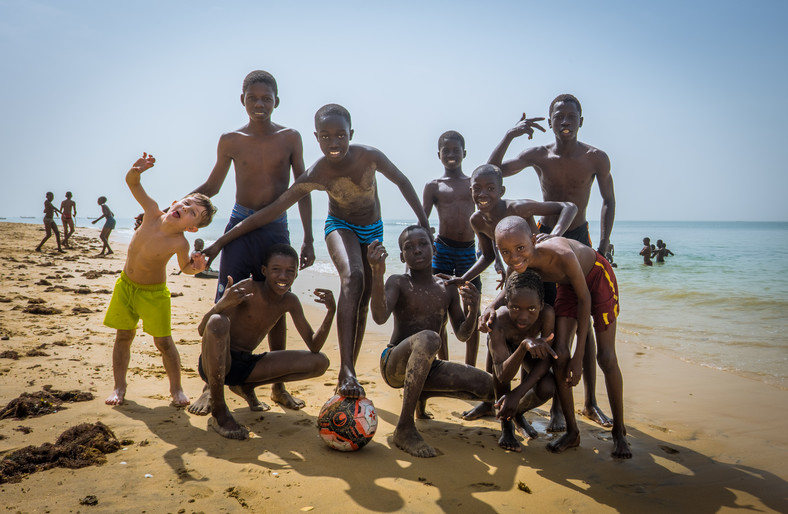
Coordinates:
661	252
646	251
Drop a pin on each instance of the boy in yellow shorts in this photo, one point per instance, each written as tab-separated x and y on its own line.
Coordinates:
141	291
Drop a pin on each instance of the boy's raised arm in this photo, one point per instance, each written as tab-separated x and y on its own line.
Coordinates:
149	205
509	168
383	297
314	340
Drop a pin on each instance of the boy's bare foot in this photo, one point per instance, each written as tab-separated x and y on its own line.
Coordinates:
179	399
202	406
110	252
566	441
421	410
349	387
525	428
38	248
480	411
595	414
281	396
621	447
229	428
508	441
247	393
116	398
557	420
409	440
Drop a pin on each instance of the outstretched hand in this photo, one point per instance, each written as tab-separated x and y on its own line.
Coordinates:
540	238
527	126
376	256
469	294
145	162
486	320
540	348
210	254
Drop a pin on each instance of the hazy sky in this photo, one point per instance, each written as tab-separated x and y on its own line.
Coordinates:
687	98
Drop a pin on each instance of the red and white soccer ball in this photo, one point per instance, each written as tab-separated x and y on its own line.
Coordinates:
347	424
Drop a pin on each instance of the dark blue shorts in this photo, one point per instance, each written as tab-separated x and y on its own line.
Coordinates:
242	365
455	258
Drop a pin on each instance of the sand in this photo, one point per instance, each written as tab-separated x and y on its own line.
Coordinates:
703	440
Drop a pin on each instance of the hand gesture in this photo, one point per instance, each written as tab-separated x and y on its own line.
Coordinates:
307	255
376	256
469	294
326	297
575	371
145	162
502	279
487	319
210	254
507	406
526	126
197	261
236	293
540	348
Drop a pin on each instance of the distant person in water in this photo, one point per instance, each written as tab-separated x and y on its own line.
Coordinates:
68	211
646	251
49	223
109	225
661	252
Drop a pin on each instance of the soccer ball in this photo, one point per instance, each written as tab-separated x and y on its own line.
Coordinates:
347	424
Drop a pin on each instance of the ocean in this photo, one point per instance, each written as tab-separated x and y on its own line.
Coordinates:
721	301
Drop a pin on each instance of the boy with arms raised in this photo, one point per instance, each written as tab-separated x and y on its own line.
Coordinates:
262	153
236	325
455	246
421	304
567	170
141	291
348	174
586	286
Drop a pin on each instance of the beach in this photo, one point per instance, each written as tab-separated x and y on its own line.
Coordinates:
703	439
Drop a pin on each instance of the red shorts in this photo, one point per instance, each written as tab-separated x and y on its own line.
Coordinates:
602	285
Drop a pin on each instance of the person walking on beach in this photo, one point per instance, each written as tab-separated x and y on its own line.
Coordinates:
68	211
262	153
109	225
49	222
141	290
348	174
567	169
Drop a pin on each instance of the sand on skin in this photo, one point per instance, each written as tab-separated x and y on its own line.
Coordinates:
703	440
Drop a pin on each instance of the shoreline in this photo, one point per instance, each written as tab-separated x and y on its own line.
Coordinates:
689	426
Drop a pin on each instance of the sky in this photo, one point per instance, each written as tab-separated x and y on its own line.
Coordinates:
686	98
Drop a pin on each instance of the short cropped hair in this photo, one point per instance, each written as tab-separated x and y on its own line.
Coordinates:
566	98
331	110
409	229
488	169
102	199
510	223
260	76
280	249
528	279
68	194
203	201
451	135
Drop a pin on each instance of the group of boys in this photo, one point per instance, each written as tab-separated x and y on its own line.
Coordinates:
649	251
67	213
437	286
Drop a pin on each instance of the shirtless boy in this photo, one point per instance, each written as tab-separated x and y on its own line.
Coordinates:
141	291
109	225
68	211
455	246
262	153
521	339
348	174
566	171
235	326
647	251
49	222
586	286
661	251
421	304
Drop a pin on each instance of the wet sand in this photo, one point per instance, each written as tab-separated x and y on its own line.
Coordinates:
703	440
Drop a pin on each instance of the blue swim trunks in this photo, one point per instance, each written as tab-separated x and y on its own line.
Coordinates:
244	256
365	234
455	258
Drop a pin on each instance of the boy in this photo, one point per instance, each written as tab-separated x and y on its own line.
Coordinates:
236	325
109	224
262	154
567	170
141	291
67	208
49	222
421	304
647	251
521	340
455	246
348	174
586	286
661	251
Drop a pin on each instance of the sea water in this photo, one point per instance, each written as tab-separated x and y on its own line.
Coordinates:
720	301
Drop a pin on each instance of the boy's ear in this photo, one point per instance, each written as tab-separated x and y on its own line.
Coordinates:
276	103
503	190
533	239
402	257
318	139
581	122
192	229
464	154
549	122
351	135
243	102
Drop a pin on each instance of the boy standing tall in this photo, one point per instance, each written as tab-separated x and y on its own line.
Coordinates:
262	153
566	171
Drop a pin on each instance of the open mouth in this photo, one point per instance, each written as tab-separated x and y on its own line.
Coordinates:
176	214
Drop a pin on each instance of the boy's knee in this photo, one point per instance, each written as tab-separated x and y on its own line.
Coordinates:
164	344
545	388
321	363
607	360
218	325
354	283
429	340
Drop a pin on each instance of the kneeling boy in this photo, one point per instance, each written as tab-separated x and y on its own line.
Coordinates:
421	304
237	324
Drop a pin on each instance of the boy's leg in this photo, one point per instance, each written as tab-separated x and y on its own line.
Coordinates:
591	410
121	354
47	236
287	366
484	408
608	361
277	341
345	251
172	365
564	333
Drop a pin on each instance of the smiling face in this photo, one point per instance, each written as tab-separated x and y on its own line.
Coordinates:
416	249
524	307
451	154
280	273
565	120
486	190
516	247
260	101
185	214
333	134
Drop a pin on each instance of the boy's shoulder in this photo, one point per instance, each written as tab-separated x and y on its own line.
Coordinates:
276	131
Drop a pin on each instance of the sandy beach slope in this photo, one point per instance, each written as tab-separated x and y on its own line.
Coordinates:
703	440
